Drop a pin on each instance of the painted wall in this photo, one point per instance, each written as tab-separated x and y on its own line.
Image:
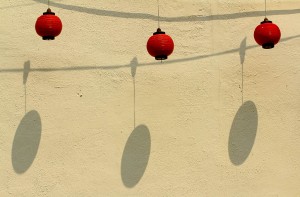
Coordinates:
92	114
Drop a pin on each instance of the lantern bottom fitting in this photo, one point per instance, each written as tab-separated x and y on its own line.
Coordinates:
48	37
268	45
161	57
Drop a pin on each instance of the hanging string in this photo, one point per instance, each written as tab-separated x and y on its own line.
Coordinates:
158	19
48	4
265	8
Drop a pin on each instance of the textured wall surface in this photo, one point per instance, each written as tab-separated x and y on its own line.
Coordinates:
92	114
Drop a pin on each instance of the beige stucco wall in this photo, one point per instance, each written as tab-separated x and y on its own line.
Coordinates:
92	114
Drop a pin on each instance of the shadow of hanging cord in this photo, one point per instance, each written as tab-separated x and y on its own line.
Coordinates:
16	6
25	77
133	67
190	18
79	68
242	53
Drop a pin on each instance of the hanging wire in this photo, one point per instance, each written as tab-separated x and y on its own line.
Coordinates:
48	4
158	18
265	8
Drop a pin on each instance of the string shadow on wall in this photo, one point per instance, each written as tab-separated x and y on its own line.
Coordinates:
137	149
242	53
28	134
244	126
130	15
135	156
112	67
242	133
25	77
133	67
16	6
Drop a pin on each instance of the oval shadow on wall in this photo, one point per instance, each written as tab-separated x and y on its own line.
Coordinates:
242	133
135	156
26	142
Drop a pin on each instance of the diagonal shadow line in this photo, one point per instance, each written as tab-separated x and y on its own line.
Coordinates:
80	68
16	6
190	18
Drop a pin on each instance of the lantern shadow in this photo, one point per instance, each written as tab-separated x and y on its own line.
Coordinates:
26	142
135	156
242	133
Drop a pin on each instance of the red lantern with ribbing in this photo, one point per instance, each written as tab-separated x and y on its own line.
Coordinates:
267	34
48	25
160	45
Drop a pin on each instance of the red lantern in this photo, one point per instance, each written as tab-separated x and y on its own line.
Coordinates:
160	45
48	25
267	34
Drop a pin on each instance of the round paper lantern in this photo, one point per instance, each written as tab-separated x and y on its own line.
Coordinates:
48	25
160	45
267	34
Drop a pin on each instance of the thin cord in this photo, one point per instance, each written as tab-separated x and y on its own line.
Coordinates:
265	8
158	19
48	4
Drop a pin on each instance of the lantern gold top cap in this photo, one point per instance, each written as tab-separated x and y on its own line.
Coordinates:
158	31
48	12
266	20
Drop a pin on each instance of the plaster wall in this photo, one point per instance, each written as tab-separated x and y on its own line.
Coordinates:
92	114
